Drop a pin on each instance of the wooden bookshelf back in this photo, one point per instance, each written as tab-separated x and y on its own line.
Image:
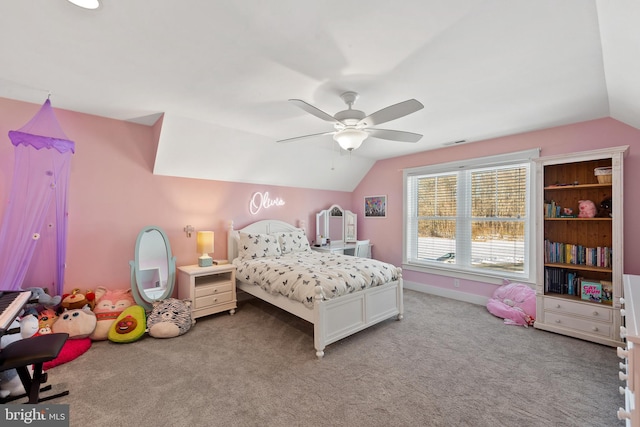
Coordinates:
590	233
570	173
568	197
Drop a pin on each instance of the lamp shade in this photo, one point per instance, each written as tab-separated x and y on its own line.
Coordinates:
205	242
350	139
205	247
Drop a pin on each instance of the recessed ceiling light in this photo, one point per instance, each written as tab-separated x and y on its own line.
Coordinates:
86	4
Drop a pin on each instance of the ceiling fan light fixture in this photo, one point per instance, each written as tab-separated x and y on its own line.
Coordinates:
350	139
86	4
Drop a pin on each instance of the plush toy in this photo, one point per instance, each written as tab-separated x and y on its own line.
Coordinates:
10	384
605	208
107	310
515	303
42	296
46	319
129	326
28	328
78	323
169	318
566	212
39	300
586	209
77	299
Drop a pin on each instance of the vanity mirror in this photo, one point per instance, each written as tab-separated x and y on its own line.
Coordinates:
154	269
335	224
339	225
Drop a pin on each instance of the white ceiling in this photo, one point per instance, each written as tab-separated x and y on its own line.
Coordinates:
221	73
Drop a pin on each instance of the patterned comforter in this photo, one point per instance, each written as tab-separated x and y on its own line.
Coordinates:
296	274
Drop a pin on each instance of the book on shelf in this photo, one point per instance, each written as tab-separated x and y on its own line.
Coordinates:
552	210
566	253
591	291
561	281
607	290
565	281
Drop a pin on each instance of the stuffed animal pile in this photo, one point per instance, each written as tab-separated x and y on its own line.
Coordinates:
92	316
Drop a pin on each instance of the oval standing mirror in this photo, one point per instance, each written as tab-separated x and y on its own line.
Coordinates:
154	269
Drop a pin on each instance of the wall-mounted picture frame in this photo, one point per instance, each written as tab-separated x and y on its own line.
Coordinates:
375	206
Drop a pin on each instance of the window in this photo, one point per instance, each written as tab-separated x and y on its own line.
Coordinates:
471	216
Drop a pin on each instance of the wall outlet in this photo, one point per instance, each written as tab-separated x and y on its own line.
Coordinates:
456	283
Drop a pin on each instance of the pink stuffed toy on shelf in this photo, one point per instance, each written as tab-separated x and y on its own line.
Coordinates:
586	209
515	303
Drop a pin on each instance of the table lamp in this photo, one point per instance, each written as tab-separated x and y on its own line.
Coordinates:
205	247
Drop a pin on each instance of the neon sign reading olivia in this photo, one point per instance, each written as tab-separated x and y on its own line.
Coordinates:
262	200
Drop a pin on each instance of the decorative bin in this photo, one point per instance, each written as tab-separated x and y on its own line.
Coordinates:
603	175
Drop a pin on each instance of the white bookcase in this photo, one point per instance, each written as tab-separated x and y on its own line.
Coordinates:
563	181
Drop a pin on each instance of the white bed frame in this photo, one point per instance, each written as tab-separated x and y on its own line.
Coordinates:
332	319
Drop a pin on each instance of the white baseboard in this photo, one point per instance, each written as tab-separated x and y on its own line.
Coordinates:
447	293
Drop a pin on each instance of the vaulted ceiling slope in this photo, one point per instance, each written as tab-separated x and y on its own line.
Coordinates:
222	71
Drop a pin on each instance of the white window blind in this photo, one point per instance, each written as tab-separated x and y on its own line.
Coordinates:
471	217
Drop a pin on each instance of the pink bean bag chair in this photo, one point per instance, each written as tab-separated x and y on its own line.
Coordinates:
515	303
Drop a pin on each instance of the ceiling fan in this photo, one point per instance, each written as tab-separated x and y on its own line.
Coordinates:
352	127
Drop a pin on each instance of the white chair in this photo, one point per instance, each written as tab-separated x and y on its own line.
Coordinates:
362	249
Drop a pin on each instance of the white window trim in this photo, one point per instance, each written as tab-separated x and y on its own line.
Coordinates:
488	161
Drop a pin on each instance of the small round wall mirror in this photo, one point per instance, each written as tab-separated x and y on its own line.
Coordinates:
153	270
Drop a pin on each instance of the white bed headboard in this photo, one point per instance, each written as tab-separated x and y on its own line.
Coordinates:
265	226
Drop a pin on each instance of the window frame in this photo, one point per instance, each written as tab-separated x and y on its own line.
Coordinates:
466	272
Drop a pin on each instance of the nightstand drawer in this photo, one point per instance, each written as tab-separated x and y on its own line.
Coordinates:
211	300
203	291
592	311
582	325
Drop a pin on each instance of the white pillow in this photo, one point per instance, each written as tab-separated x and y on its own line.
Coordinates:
254	245
293	241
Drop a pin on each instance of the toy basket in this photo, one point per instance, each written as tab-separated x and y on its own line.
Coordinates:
603	175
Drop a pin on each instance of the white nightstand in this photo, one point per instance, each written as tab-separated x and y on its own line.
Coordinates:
210	289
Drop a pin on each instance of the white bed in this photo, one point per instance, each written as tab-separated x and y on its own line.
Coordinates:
334	318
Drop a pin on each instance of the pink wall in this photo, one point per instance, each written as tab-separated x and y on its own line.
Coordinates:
113	195
386	178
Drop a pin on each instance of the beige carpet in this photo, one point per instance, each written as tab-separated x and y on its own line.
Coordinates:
448	363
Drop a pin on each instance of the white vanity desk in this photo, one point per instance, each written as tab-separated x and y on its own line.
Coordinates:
341	248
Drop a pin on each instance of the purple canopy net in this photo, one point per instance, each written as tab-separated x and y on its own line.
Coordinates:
33	235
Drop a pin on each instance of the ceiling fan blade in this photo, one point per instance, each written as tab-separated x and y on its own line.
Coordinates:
314	111
392	112
394	135
305	137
